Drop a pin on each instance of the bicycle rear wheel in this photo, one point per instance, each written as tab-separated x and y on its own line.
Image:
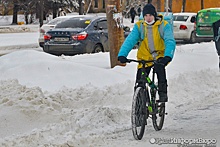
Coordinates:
139	113
158	116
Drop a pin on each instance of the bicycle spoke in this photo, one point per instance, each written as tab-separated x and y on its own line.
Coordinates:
138	115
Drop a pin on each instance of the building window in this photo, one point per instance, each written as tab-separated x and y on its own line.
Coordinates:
96	4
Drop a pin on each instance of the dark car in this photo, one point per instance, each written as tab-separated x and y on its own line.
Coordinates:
78	35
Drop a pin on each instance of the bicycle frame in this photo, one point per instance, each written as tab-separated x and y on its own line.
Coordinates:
145	79
145	104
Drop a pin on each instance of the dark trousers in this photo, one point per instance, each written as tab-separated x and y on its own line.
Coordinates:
132	18
161	75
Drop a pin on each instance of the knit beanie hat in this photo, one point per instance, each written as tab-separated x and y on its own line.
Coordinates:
149	9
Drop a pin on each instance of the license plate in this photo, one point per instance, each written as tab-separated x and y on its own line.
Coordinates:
61	39
205	28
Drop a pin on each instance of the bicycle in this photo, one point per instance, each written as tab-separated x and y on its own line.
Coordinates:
145	105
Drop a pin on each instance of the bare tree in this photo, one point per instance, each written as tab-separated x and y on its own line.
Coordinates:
27	6
41	12
5	4
202	4
81	7
158	5
171	5
34	7
15	12
90	3
149	1
183	5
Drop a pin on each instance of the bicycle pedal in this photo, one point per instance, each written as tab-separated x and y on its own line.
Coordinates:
158	101
162	114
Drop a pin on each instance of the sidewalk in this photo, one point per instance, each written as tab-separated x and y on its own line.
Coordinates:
18	37
19	28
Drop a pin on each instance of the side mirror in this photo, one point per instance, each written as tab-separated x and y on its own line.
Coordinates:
95	27
193	19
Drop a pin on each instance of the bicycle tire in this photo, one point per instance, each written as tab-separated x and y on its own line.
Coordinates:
158	116
139	113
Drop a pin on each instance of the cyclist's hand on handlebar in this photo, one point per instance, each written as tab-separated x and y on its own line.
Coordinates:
164	60
122	59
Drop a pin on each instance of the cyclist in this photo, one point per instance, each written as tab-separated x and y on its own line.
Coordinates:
152	46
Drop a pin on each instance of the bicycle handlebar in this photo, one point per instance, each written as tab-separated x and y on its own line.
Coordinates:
141	61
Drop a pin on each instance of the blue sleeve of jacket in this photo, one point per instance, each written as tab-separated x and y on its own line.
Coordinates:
170	43
130	42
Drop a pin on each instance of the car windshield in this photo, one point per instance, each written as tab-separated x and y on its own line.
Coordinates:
74	23
57	20
180	17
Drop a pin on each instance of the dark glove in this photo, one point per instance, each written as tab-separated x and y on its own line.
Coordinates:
122	59
164	60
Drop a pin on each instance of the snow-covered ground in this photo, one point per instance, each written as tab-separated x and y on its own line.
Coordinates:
17	37
50	101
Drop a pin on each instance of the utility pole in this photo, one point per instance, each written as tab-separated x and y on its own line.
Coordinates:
115	29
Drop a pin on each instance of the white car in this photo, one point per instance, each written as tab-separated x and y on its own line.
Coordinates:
184	26
50	25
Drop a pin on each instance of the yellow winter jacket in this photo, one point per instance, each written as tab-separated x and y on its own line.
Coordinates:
153	44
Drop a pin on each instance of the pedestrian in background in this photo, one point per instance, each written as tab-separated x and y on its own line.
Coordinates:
133	14
139	10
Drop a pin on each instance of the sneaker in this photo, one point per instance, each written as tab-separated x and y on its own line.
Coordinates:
163	97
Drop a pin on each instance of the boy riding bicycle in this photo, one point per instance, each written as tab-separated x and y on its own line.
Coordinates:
153	46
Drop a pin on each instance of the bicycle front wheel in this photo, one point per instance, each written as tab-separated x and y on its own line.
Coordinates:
158	116
139	113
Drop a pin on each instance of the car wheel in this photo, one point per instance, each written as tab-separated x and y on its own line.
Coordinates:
193	37
98	48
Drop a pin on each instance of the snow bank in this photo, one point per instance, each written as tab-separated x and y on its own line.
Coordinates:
79	100
19	28
89	116
6	27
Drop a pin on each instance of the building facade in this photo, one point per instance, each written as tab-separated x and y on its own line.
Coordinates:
190	6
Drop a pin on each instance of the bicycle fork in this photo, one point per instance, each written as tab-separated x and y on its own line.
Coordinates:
152	106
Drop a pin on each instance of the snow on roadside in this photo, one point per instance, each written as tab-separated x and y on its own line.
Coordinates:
89	116
78	114
6	27
7	20
19	28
